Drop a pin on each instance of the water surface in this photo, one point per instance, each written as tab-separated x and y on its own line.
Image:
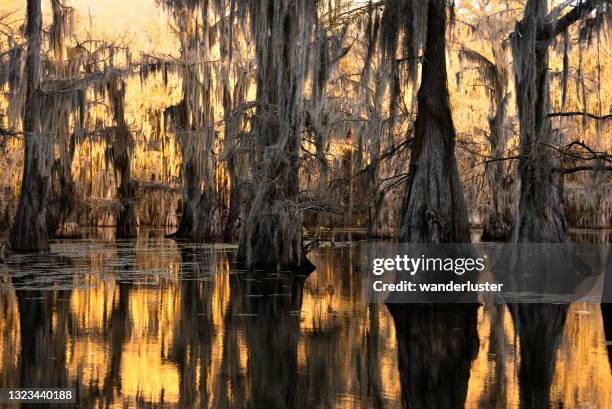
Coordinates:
156	323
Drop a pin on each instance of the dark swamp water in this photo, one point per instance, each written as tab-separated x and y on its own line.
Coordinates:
155	323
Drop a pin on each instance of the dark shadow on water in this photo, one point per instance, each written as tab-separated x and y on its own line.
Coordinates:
227	338
606	315
539	328
118	329
606	306
42	357
436	346
269	306
263	318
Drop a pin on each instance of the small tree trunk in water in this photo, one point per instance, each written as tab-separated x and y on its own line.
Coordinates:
191	195
62	200
126	222
62	203
498	215
231	230
434	208
30	230
193	121
540	214
122	157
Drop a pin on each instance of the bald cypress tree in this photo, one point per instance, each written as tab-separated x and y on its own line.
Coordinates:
540	214
271	235
433	206
30	230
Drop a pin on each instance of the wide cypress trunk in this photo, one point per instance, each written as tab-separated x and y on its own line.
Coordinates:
540	214
434	208
271	237
30	230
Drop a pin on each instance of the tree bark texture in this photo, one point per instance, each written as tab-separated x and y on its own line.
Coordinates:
30	230
540	214
123	146
271	237
498	216
434	207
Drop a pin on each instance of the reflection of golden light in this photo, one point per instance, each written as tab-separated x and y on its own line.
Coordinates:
9	334
325	306
144	373
582	372
219	302
339	332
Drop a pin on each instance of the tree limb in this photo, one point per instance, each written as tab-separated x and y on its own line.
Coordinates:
555	28
578	113
566	171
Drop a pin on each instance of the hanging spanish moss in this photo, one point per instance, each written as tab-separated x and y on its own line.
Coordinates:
494	74
263	122
271	237
433	207
30	230
193	121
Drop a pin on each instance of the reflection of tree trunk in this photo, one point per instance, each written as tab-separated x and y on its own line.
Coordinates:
434	209
494	393
30	230
191	348
436	346
231	373
606	306
539	327
42	360
272	339
540	215
375	383
606	316
119	329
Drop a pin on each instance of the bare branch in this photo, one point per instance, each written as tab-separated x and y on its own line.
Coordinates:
555	28
578	113
566	171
